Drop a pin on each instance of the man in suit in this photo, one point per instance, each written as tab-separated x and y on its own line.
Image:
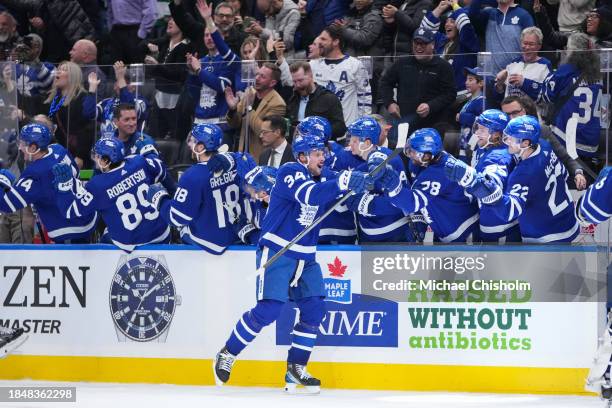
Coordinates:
310	99
277	151
258	102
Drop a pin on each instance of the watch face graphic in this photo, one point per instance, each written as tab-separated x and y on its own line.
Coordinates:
142	298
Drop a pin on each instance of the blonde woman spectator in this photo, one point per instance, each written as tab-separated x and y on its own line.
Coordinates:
73	110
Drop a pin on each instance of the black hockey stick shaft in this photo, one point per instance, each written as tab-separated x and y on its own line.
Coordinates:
326	214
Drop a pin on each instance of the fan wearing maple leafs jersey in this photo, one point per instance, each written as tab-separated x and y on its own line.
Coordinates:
296	200
344	75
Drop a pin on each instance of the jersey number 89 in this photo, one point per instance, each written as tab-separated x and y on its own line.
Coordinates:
129	206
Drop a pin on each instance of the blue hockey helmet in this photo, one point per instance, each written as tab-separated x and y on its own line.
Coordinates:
305	144
426	140
37	134
315	125
110	147
366	127
493	119
523	128
261	179
210	135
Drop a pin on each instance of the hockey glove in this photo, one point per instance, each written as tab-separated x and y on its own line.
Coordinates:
156	194
6	179
359	203
145	147
485	189
458	171
375	159
62	177
221	163
354	181
391	182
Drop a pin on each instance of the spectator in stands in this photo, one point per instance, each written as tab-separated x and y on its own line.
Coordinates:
8	35
277	151
123	94
310	99
314	49
529	65
73	110
458	44
402	18
33	76
282	20
571	13
257	102
474	83
210	75
574	91
597	23
84	53
344	75
193	29
130	22
60	22
165	64
425	85
515	106
504	25
252	49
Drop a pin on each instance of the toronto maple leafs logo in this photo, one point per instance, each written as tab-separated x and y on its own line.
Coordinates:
337	288
331	86
208	97
307	214
515	20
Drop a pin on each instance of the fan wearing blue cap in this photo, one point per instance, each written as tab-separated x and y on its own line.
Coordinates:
35	186
442	204
118	193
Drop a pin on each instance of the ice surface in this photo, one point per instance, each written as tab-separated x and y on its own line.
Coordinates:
90	395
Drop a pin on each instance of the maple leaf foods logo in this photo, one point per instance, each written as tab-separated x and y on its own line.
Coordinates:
337	288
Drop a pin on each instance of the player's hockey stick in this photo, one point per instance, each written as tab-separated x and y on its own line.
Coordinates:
570	144
402	131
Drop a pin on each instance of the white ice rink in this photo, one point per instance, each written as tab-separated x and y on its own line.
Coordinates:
91	395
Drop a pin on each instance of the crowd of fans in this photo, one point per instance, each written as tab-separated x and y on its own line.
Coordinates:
257	68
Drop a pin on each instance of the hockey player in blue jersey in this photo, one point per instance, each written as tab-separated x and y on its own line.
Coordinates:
536	191
378	220
207	198
258	184
340	226
297	199
118	193
595	206
491	159
35	186
451	214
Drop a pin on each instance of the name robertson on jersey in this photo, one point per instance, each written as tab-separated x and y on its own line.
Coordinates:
223	179
126	184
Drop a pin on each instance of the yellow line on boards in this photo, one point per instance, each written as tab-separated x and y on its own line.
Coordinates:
372	376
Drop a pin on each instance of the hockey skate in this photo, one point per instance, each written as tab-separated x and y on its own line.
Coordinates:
222	366
10	340
297	377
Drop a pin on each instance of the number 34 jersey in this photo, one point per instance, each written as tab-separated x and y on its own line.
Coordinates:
120	196
204	207
537	195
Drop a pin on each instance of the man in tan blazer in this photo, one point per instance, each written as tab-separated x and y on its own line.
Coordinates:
259	101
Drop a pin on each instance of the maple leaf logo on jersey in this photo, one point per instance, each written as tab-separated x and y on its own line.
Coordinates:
332	87
336	268
515	20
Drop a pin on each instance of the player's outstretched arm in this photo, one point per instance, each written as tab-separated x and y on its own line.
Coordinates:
71	204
